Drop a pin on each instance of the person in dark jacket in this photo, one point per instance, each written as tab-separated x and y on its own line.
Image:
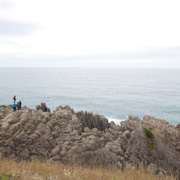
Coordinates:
14	98
14	106
20	104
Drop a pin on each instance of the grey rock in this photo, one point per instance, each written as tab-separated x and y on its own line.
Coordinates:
86	139
92	121
43	107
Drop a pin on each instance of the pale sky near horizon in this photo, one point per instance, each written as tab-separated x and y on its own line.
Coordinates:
96	33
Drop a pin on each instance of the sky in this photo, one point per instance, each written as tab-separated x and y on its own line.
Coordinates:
95	33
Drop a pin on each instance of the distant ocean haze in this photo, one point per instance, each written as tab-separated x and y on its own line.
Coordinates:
112	92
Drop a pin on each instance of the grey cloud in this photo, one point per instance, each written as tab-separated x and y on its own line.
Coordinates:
161	58
13	28
161	54
166	53
5	5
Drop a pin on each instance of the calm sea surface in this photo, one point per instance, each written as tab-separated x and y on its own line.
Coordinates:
114	93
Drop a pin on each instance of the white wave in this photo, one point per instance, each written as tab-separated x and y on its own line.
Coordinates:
116	121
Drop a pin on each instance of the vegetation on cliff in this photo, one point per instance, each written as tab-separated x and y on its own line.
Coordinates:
37	170
149	133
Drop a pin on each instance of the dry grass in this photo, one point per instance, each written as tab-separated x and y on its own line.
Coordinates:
11	170
157	132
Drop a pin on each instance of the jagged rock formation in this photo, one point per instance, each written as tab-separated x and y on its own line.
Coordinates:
83	138
92	121
43	107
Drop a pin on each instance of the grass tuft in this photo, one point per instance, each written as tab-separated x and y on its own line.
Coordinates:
149	133
151	146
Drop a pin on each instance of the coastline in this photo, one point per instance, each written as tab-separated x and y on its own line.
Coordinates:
84	138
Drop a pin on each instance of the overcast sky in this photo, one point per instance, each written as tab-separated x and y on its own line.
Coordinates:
93	33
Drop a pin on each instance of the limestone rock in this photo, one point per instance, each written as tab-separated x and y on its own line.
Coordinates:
92	121
43	107
83	138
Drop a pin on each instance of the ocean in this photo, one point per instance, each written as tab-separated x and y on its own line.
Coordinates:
112	92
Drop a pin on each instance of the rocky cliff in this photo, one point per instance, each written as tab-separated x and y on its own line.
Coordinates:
83	138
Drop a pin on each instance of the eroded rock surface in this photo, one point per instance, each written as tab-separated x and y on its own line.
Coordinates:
83	138
43	107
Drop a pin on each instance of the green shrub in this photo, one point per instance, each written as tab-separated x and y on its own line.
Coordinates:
149	133
151	146
97	162
7	177
11	176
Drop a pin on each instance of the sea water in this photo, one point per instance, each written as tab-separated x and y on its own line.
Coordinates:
112	92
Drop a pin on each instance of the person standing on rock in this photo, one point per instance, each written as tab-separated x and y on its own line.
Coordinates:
14	106
20	104
14	98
